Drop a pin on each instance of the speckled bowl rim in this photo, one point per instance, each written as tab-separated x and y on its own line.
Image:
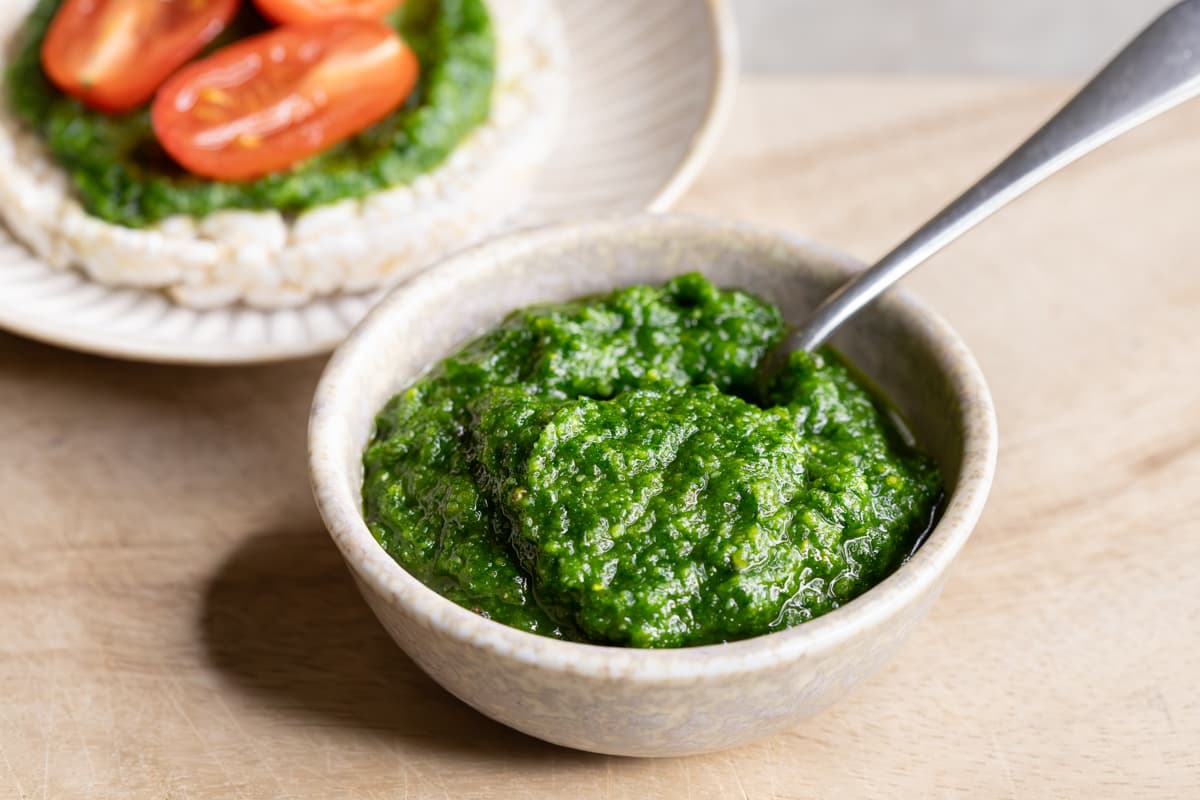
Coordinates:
341	509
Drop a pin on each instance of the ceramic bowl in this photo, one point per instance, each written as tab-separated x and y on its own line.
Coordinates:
644	702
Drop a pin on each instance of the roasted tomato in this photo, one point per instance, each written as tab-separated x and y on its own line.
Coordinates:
265	103
309	11
114	54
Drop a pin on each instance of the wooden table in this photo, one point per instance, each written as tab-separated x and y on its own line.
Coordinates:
174	622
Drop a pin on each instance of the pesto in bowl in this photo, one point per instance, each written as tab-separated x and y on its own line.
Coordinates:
122	175
607	471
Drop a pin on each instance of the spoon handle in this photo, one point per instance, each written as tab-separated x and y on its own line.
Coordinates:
1157	71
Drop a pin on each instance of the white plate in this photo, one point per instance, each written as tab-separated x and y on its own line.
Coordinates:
651	84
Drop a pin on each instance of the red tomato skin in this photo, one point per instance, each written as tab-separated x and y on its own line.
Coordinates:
263	104
307	12
159	36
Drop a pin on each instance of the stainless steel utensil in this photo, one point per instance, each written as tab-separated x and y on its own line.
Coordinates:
1157	71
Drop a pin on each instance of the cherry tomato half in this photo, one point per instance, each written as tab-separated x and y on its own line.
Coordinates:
113	54
309	11
264	103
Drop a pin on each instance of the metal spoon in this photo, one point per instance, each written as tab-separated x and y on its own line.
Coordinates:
1157	71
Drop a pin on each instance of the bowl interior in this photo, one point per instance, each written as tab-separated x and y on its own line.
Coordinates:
913	357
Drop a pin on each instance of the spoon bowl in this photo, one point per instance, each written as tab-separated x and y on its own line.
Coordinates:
649	702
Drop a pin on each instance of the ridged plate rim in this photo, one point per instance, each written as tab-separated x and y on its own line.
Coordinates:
60	332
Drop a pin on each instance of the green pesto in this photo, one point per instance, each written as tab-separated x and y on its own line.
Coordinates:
122	175
605	470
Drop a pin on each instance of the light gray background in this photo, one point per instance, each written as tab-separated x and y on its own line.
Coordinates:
1020	38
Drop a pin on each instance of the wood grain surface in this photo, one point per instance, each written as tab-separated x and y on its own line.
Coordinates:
174	622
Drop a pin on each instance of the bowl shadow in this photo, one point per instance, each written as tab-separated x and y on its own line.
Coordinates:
284	622
279	618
